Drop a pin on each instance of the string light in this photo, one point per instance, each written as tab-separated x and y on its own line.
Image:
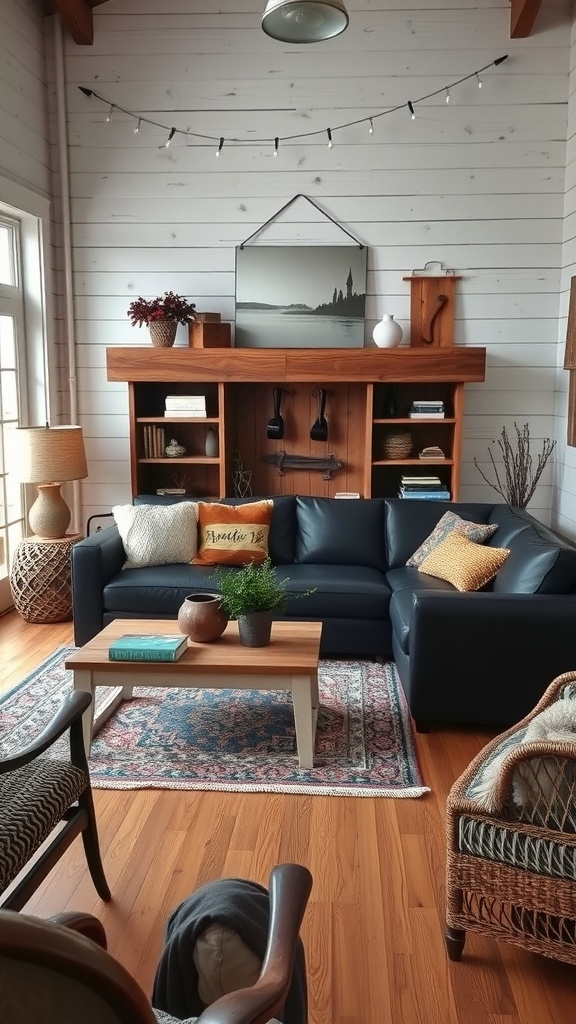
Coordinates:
113	107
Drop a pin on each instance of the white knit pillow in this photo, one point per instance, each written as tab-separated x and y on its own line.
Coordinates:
158	534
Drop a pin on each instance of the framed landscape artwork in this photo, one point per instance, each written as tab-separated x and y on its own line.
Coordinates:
300	296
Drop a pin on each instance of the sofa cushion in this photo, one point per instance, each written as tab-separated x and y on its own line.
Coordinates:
233	535
408	523
342	591
404	583
449	523
332	531
467	565
537	566
153	535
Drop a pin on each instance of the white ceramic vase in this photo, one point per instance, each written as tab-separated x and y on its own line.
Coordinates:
211	443
387	333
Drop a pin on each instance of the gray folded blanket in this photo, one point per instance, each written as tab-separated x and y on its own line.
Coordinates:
240	905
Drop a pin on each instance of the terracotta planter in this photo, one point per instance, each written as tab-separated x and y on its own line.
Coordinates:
255	628
163	333
202	618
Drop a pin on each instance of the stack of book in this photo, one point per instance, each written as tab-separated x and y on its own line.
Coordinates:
154	441
424	410
419	487
148	647
433	451
185	407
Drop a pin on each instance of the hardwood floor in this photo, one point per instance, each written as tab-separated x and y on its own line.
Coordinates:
373	930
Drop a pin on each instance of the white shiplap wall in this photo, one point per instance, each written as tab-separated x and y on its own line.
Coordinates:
477	184
24	151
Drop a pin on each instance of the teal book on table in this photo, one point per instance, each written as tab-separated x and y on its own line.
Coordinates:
148	647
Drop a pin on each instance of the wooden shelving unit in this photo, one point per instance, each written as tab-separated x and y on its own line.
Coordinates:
237	385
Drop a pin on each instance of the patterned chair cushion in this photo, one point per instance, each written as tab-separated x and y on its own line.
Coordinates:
510	846
33	799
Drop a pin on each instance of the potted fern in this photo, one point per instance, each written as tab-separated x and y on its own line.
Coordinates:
251	595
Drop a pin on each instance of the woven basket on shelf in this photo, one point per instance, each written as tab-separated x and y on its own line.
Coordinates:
397	445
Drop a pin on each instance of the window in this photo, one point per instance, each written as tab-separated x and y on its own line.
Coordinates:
11	376
24	217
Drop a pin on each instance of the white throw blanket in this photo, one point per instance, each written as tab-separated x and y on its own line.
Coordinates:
556	723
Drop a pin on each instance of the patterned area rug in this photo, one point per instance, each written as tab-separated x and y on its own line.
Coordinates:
239	740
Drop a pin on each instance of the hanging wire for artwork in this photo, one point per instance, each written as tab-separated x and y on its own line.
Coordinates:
275	141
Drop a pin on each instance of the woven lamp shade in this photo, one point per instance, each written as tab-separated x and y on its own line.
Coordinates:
50	454
47	456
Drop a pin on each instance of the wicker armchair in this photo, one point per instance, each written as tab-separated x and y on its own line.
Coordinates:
511	851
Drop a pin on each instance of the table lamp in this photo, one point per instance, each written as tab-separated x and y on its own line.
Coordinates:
47	456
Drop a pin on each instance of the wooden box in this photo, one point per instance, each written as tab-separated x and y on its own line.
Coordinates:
207	334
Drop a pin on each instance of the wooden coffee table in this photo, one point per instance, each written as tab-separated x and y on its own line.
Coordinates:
289	662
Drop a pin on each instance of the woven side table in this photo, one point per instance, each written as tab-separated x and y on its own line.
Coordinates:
40	578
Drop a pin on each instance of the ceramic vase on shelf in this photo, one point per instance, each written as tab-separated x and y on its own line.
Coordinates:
163	333
202	618
211	443
387	333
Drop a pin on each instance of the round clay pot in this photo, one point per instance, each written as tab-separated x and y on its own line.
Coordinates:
202	618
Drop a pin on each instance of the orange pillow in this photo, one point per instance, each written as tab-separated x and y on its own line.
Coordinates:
233	534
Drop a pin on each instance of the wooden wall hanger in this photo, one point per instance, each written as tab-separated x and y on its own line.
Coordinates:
432	306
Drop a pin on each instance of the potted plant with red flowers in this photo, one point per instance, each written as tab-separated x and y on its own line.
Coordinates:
162	316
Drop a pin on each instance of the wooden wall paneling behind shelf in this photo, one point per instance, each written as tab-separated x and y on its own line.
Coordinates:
366	490
222	443
135	439
457	439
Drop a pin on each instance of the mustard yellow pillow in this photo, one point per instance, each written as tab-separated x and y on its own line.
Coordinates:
233	534
462	562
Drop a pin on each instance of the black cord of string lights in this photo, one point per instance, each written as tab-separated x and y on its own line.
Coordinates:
275	141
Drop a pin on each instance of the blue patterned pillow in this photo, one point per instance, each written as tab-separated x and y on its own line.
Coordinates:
451	523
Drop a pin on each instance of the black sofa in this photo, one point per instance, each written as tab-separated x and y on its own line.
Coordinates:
482	658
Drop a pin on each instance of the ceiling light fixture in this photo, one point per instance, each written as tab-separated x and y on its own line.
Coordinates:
304	21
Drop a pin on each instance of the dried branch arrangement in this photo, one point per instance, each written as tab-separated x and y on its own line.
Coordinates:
517	481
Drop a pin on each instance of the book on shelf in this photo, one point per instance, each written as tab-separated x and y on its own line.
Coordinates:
428	403
433	451
427	415
154	440
148	647
415	478
347	494
185	414
170	490
185	401
422	487
424	495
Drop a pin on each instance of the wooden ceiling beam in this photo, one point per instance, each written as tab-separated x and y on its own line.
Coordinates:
522	17
77	17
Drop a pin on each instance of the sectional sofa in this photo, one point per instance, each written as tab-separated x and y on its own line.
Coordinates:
480	658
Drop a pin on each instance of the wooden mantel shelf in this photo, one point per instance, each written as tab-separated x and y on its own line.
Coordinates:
458	364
